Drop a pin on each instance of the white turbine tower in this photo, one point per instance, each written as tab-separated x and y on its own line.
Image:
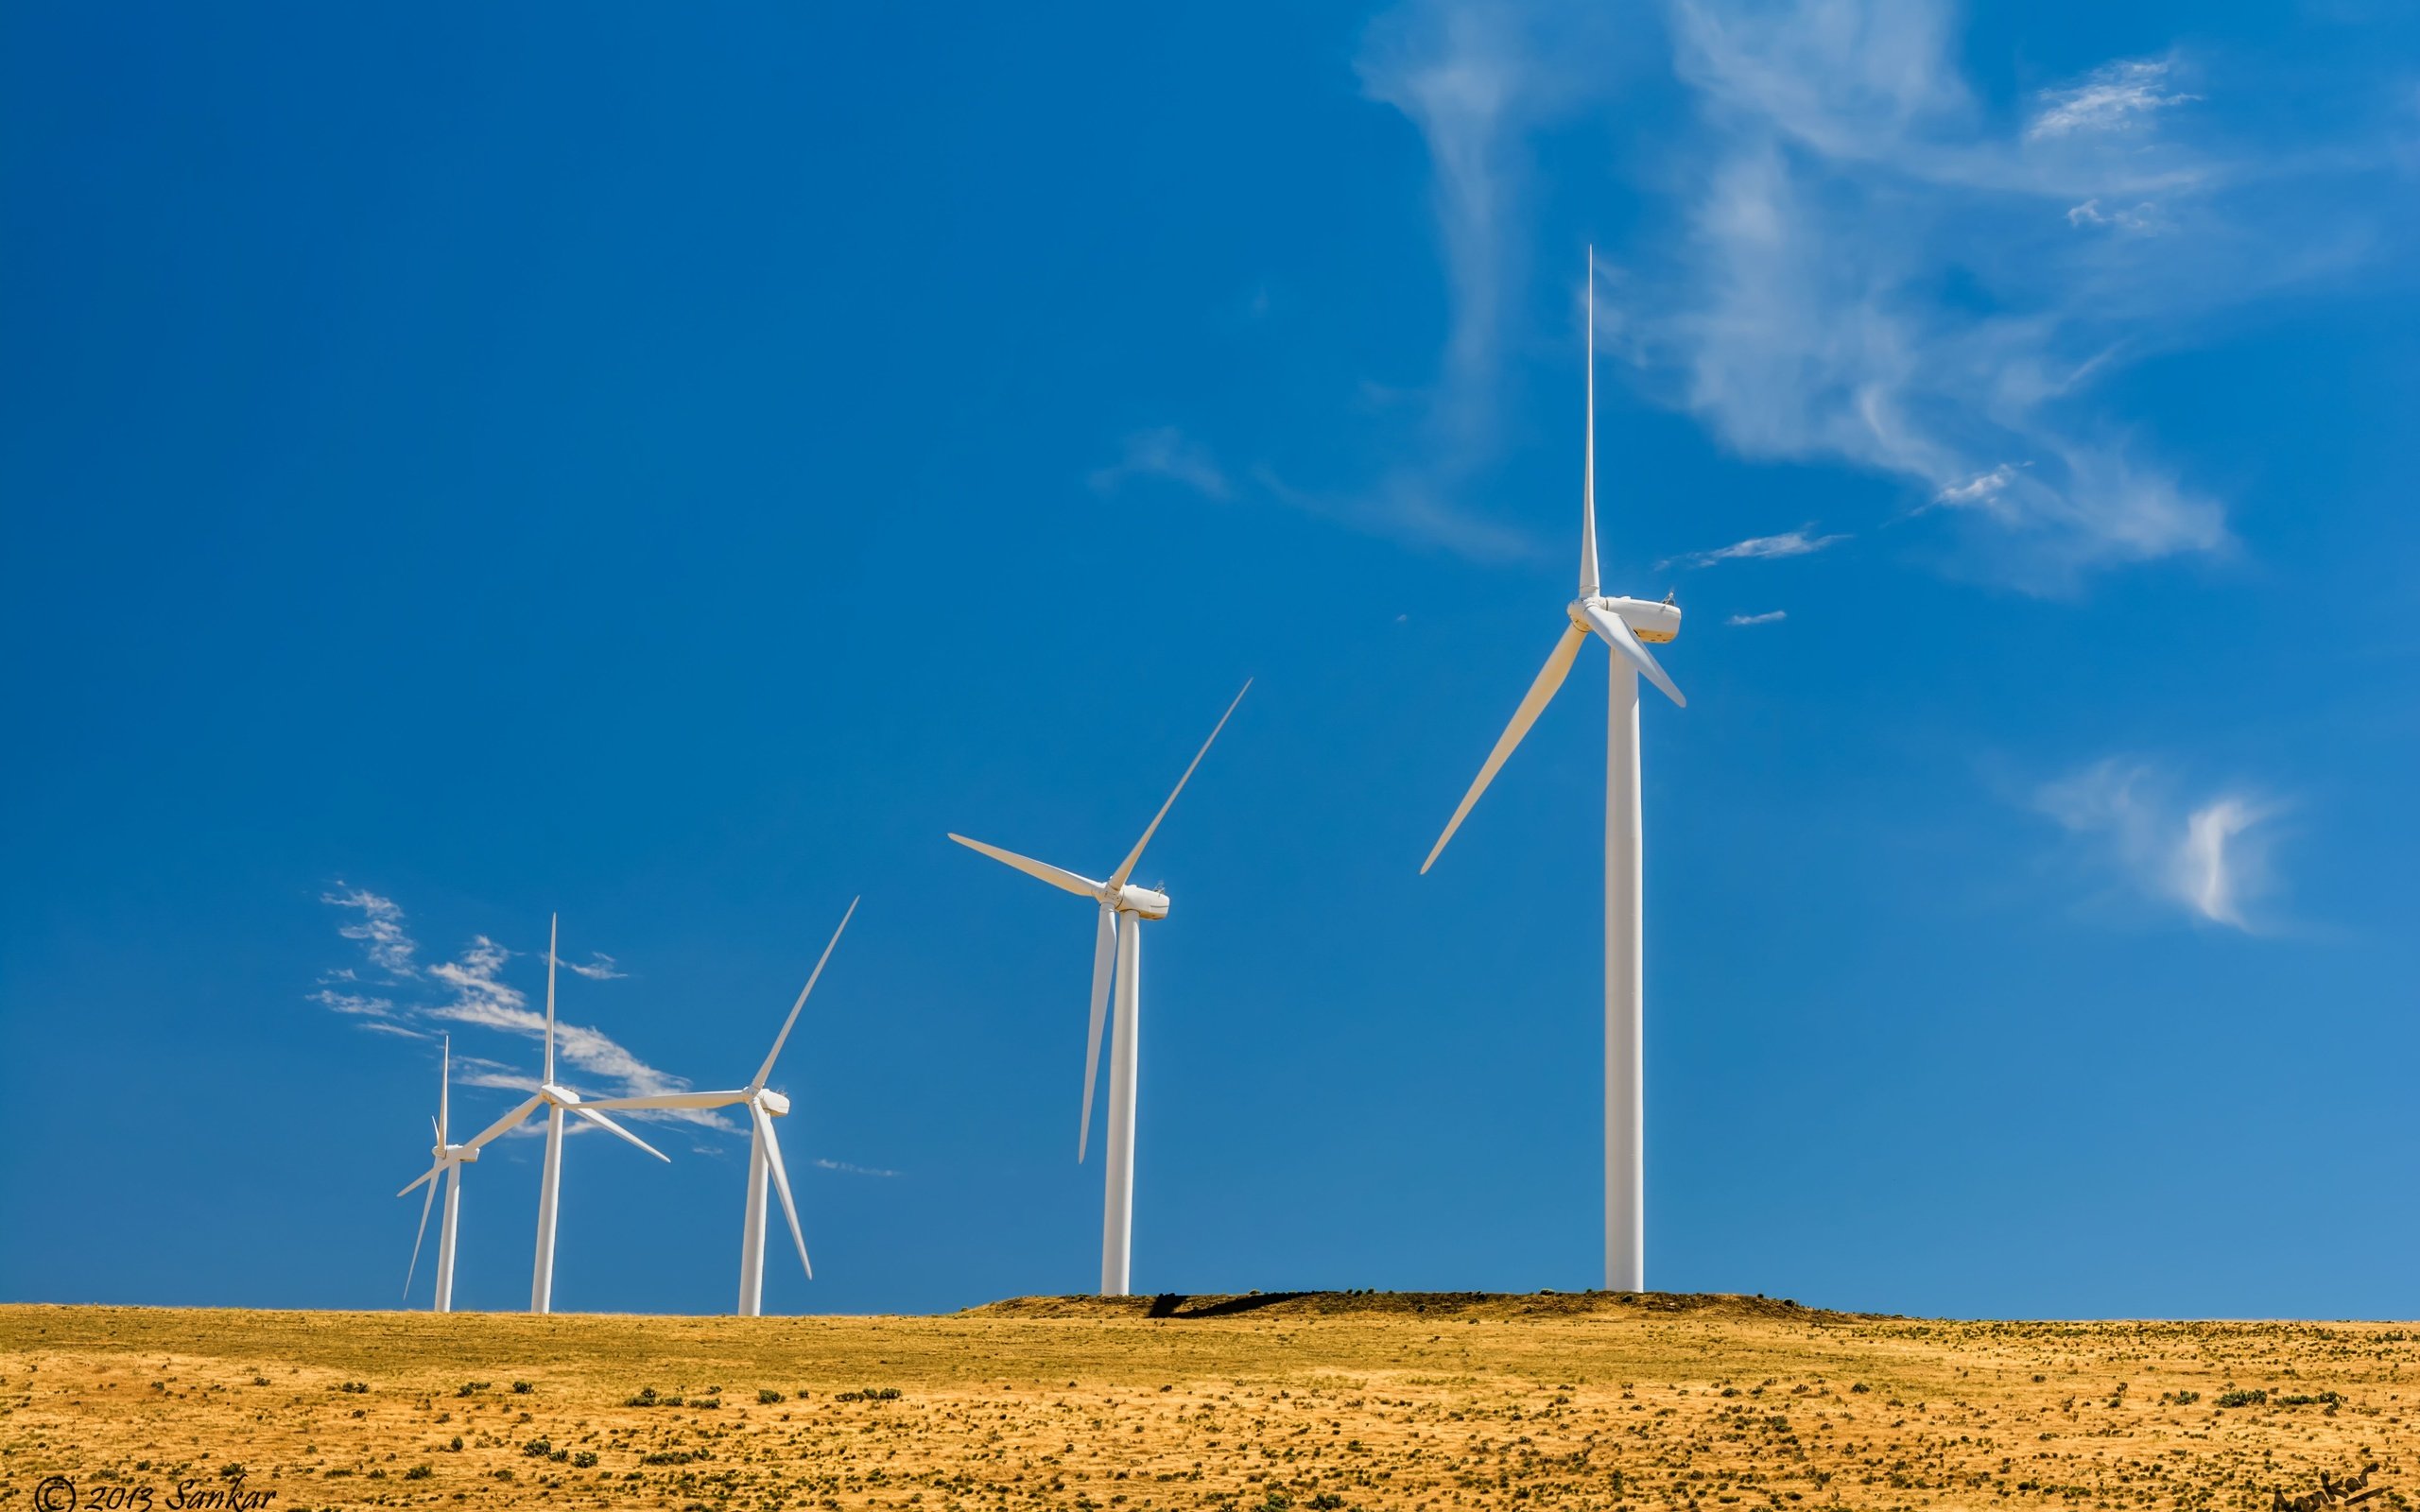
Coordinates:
1119	898
558	1100
1622	624
764	1105
446	1164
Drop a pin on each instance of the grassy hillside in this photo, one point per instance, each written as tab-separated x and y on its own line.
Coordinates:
1320	1401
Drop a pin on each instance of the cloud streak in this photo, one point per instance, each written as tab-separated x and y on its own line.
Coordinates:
1845	254
1798	543
2212	859
470	990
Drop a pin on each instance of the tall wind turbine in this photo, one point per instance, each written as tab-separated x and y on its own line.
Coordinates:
1121	900
558	1100
446	1164
764	1105
1623	625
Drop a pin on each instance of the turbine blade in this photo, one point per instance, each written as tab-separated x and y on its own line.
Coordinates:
553	924
1588	474
426	1203
444	1078
1117	878
1532	704
428	1175
766	1069
1082	886
663	1100
601	1120
1610	630
502	1125
1105	961
781	1181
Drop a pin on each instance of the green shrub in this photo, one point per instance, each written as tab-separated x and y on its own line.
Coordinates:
2253	1398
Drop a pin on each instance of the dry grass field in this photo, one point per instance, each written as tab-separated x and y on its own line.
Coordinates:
1314	1401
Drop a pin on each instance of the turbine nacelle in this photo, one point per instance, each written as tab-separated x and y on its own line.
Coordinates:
453	1154
555	1091
1655	622
773	1103
1142	901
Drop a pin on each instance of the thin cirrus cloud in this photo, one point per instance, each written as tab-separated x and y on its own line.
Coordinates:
1799	543
2212	859
1407	505
1850	255
470	990
1769	617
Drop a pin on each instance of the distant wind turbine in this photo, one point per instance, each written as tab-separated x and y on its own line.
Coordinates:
1622	624
446	1163
1119	899
558	1100
764	1105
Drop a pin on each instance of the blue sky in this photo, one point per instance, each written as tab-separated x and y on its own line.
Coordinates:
670	468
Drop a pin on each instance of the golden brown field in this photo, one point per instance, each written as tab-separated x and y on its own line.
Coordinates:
1316	1401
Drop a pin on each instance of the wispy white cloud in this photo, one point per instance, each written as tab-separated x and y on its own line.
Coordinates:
853	1170
2143	218
1169	454
2114	97
2211	857
1847	254
1769	617
379	930
471	991
353	1003
1798	543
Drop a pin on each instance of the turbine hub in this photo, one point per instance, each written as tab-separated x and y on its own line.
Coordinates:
1652	622
1142	901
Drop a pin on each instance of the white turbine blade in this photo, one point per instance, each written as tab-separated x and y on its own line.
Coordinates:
1532	704
501	1125
1610	630
1588	474
1117	878
444	1075
781	1181
1082	886
602	1121
429	1175
426	1203
554	922
1104	962
766	1069
663	1100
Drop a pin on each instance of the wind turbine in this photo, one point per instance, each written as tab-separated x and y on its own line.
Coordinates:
764	1105
1623	625
446	1161
1119	898
558	1100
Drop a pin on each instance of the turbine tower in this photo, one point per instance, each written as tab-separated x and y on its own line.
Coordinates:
1119	949
1623	625
764	1105
558	1100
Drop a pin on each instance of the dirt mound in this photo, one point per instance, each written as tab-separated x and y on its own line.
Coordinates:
1184	1306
